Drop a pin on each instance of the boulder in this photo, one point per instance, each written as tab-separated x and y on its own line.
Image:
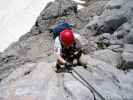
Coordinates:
106	36
38	81
123	30
42	83
116	42
9	63
54	10
112	4
111	23
36	47
108	56
105	78
50	15
116	48
127	56
129	38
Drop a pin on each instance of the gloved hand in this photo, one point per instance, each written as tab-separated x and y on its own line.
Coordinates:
67	64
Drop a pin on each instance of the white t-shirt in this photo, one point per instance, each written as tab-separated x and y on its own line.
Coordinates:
58	47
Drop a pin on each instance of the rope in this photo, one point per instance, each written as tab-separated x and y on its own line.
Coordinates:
89	86
85	85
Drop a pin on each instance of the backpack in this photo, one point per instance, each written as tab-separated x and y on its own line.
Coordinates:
59	27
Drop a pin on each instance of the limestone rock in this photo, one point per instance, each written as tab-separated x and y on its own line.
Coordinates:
43	83
26	65
128	56
109	56
116	48
129	38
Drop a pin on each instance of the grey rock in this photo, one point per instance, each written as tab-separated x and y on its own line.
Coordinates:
34	48
96	8
116	42
25	66
50	15
24	70
129	38
127	56
111	79
91	12
119	34
116	19
111	24
9	63
44	84
51	86
114	4
123	30
116	48
53	11
106	42
106	36
108	56
36	45
90	28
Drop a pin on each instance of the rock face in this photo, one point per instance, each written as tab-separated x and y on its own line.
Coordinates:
127	56
109	56
39	81
26	66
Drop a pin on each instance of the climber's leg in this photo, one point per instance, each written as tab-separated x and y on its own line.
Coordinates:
58	67
82	60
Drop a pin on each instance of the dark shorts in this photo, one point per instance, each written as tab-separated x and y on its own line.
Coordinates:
70	57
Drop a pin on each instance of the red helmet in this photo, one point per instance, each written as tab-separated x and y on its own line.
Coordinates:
67	37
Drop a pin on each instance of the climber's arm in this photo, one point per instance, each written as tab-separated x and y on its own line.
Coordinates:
57	51
80	43
61	60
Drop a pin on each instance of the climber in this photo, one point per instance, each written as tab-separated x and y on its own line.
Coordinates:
68	49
